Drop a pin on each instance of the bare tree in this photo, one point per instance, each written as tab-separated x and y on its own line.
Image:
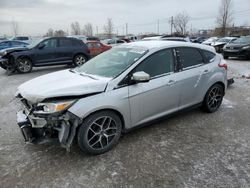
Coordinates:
15	28
50	33
88	29
75	28
225	17
108	28
59	33
180	22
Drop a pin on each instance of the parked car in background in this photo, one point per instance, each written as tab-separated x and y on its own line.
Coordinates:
198	40
180	39
12	44
22	38
220	43
238	48
210	40
132	38
80	37
45	52
2	38
114	42
85	38
151	38
118	90
96	47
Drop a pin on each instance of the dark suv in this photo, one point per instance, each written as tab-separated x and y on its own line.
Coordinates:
45	52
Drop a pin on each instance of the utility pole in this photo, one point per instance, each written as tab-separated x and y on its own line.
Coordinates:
126	28
158	26
96	30
172	23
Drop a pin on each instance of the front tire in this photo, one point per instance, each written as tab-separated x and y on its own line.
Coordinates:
99	132
213	98
24	65
79	60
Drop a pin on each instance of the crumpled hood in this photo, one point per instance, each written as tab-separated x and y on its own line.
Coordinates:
218	43
59	84
13	49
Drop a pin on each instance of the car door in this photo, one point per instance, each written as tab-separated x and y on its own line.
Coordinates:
45	52
91	48
98	48
160	95
191	74
64	52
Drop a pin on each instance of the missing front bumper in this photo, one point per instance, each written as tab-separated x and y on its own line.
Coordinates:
63	129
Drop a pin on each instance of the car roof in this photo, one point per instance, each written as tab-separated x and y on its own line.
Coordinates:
149	45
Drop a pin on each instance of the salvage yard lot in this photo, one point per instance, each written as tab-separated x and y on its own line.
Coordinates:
192	149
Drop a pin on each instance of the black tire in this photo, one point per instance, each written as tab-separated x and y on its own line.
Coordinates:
213	98
3	66
99	132
24	65
79	60
225	57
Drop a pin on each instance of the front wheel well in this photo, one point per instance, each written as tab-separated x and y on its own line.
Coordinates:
112	110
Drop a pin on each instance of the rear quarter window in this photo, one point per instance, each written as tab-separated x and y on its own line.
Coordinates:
210	56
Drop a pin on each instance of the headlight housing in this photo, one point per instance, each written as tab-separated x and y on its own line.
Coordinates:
246	47
53	107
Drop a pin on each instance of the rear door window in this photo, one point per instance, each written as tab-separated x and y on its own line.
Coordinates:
189	57
65	43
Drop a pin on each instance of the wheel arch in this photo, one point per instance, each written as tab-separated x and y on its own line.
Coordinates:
218	82
109	109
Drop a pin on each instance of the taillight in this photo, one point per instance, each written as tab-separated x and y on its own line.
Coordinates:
223	64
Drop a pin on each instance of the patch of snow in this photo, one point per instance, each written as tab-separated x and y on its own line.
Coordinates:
227	103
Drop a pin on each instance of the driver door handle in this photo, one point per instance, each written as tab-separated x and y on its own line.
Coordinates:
171	82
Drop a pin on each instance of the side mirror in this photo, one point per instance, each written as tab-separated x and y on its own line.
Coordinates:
41	46
139	77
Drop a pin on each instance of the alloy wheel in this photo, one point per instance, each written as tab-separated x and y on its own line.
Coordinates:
80	60
101	132
215	98
24	65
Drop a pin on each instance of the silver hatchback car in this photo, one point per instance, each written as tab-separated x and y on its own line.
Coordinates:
127	86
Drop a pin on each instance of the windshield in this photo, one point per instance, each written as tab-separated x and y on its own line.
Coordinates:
242	40
34	43
111	63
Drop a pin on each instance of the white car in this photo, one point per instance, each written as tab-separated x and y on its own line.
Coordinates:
118	90
210	40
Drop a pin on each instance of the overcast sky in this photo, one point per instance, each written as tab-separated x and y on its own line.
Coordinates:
35	17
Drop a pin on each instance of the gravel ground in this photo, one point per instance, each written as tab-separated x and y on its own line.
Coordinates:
192	149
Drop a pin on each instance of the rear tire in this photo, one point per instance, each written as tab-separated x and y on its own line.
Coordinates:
213	98
99	132
24	65
79	60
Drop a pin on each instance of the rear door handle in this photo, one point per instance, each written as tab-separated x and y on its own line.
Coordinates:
171	82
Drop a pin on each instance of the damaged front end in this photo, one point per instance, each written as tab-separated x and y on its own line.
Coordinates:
47	121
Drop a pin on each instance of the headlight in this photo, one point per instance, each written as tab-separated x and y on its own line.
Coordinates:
246	47
53	107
